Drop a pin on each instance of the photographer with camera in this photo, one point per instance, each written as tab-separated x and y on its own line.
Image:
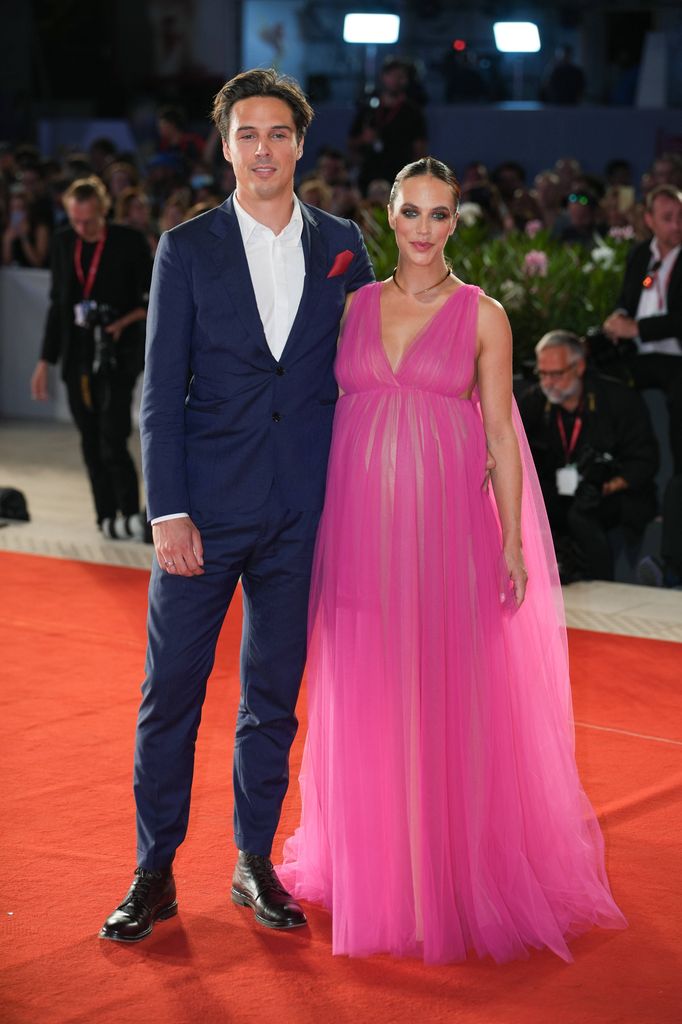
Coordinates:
595	453
646	330
100	281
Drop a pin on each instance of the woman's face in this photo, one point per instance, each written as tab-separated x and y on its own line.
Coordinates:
423	216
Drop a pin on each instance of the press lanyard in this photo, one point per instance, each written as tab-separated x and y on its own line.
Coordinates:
87	284
662	289
569	447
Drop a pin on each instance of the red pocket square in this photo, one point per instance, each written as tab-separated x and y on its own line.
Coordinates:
341	263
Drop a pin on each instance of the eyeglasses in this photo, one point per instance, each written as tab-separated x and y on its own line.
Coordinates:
553	374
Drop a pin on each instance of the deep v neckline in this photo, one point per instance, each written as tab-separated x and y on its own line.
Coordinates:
418	336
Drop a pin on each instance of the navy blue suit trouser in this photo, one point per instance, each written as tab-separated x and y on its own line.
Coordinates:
272	552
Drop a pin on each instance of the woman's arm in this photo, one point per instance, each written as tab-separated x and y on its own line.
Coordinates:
494	369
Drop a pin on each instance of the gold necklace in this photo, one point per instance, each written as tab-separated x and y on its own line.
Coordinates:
423	290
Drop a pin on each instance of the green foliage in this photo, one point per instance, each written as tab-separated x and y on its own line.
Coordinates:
578	290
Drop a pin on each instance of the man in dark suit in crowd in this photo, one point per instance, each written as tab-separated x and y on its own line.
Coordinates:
236	423
100	284
650	309
595	453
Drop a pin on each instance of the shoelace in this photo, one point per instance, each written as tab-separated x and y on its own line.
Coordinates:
140	888
264	873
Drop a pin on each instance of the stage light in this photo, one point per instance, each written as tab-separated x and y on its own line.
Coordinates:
459	45
371	28
516	36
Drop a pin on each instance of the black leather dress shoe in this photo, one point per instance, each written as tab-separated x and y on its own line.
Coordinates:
150	898
256	885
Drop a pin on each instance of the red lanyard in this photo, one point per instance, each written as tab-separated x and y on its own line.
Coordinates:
662	289
87	285
568	447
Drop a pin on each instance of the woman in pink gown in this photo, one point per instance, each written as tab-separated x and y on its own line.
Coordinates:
441	806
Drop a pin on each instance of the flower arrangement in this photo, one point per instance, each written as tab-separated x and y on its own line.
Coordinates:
543	284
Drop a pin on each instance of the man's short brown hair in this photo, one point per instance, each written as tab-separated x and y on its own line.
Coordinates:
84	189
662	190
262	82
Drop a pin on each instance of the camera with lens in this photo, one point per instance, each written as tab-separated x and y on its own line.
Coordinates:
606	353
95	316
595	468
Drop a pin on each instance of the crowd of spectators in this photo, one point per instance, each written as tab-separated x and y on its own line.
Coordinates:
186	175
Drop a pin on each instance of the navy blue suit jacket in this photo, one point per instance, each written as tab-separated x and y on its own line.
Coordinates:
221	418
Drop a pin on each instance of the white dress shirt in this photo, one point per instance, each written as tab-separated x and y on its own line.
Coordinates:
277	270
654	302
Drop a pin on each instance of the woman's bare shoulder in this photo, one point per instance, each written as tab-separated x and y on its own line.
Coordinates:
491	315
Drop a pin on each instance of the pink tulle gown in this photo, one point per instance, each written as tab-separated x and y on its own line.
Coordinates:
441	806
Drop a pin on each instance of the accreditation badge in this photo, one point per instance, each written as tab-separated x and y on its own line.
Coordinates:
567	480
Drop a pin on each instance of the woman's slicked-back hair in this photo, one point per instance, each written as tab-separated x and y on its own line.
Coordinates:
262	82
428	165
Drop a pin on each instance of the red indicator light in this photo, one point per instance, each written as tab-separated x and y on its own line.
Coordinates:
459	45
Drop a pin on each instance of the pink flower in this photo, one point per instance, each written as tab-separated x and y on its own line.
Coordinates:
532	227
623	234
535	263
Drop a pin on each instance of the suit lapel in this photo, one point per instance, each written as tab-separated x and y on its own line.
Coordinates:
228	255
315	269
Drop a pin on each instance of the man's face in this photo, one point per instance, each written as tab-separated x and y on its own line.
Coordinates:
665	221
560	373
262	148
86	218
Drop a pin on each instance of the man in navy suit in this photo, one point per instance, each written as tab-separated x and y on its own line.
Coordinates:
236	423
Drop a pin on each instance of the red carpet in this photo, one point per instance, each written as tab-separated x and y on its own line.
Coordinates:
72	654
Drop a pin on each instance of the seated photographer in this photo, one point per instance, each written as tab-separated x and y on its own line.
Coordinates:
595	453
100	281
645	333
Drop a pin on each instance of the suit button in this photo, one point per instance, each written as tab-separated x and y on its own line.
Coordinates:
279	371
276	417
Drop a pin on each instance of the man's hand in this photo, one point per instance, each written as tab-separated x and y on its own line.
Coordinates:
178	547
39	391
117	328
620	326
615	484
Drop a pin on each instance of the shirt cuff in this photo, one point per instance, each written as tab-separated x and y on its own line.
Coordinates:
174	515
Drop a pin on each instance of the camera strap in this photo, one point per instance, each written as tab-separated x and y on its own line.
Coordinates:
88	283
569	446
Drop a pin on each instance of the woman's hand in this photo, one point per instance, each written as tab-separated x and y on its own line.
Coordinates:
513	558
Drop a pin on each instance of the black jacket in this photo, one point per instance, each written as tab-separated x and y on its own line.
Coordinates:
122	282
652	328
615	421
